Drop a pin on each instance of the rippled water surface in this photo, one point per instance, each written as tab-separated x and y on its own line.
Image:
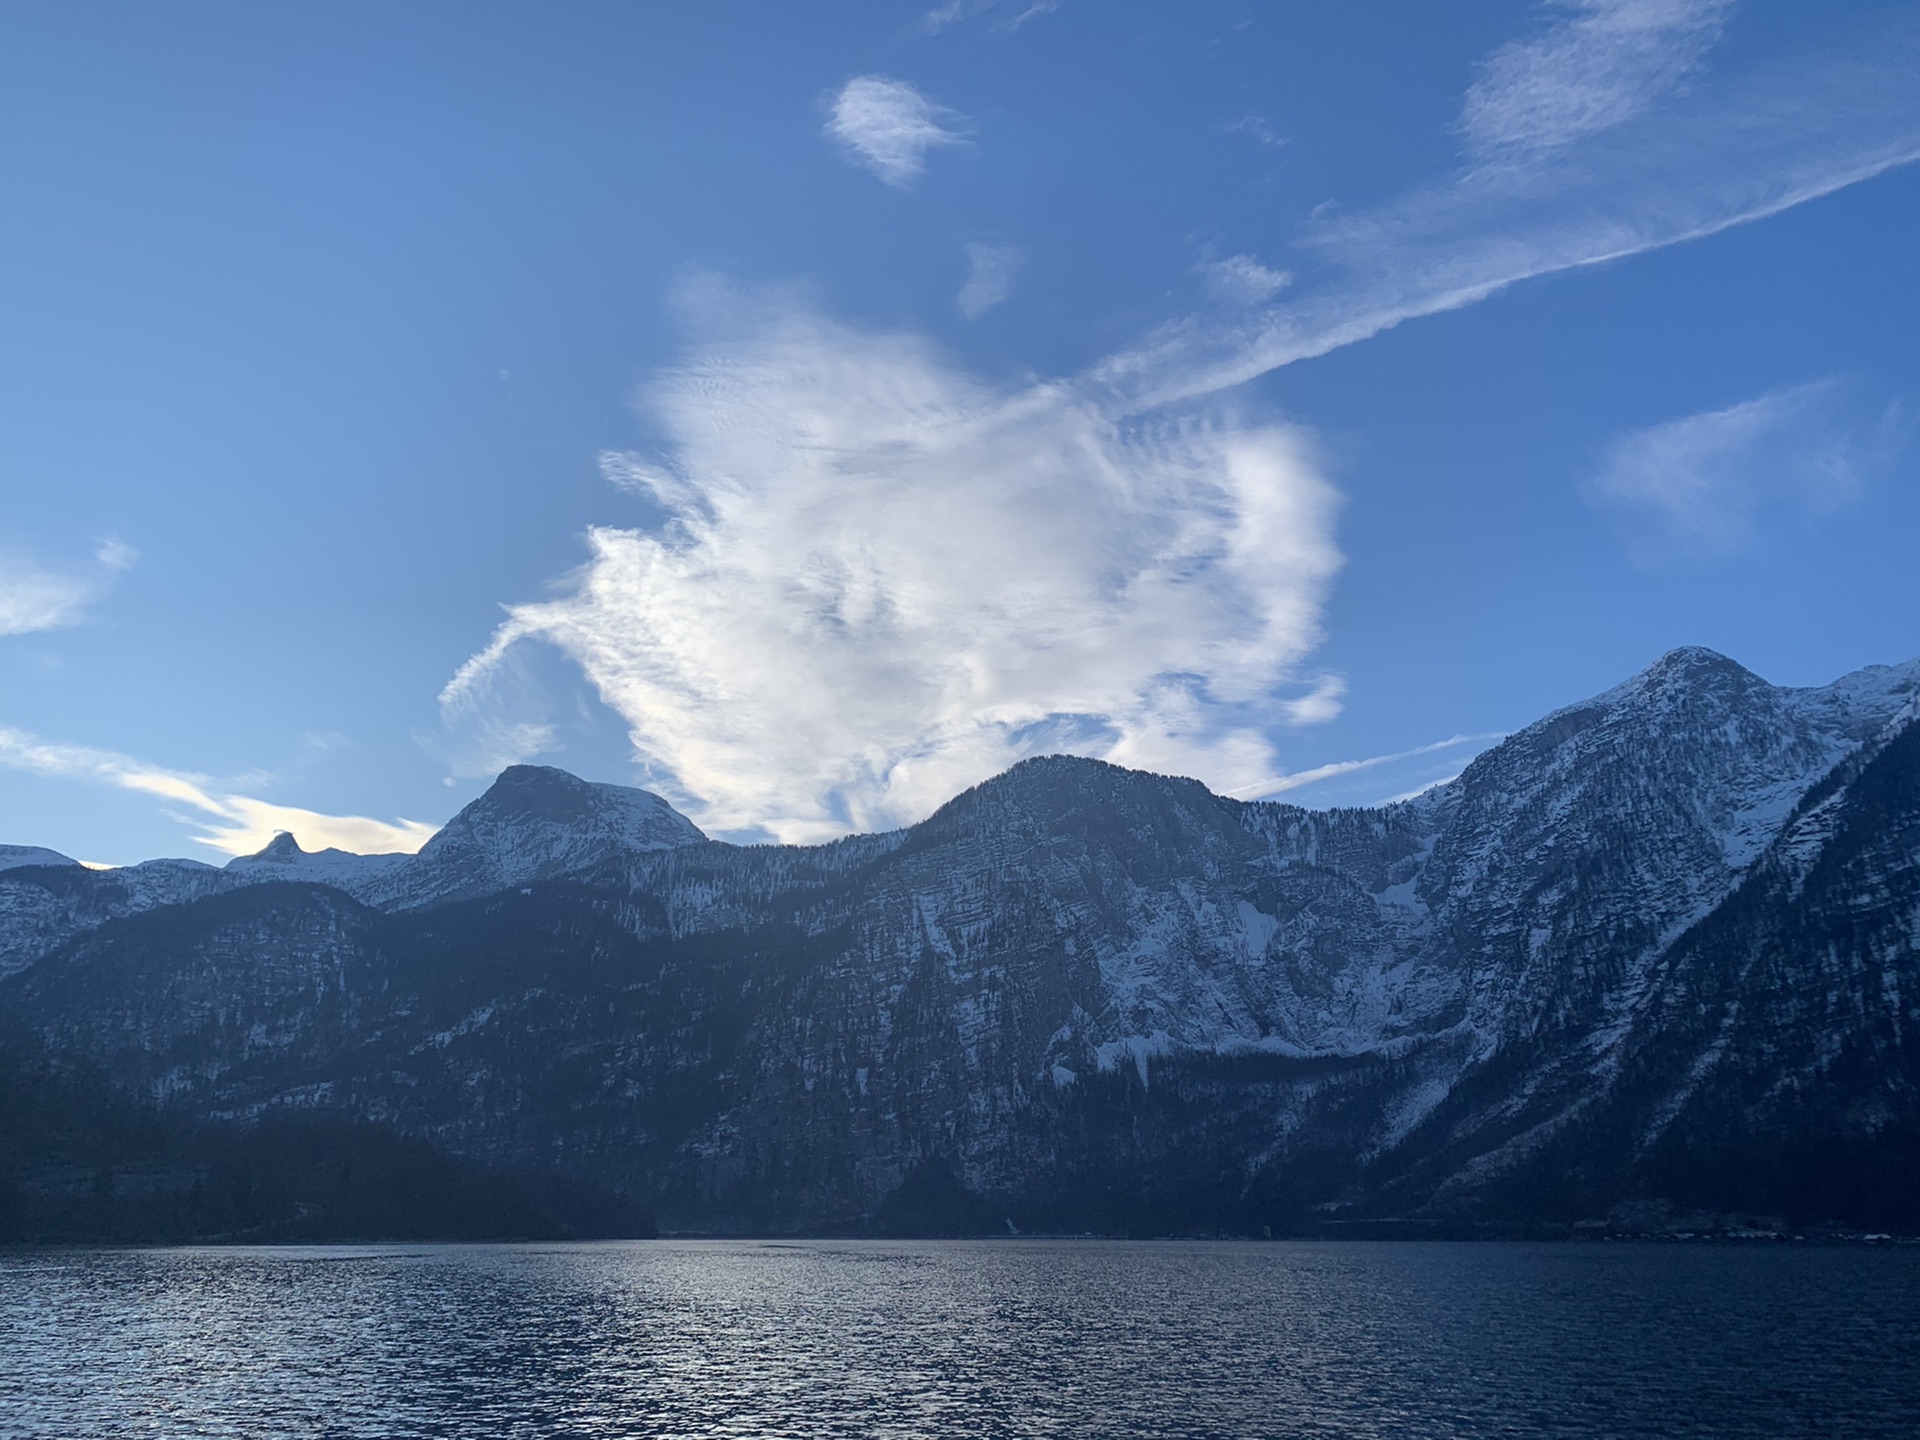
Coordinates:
970	1339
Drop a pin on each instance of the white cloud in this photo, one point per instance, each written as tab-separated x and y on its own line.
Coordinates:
958	10
115	554
1243	278
34	599
1725	151
889	126
1256	127
1702	480
234	824
497	717
1268	788
1323	703
1604	63
990	272
884	579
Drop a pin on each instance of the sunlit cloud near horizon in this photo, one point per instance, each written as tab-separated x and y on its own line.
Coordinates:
227	822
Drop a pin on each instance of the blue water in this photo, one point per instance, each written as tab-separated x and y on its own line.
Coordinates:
1016	1338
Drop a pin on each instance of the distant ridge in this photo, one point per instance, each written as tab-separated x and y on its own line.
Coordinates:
12	856
1655	949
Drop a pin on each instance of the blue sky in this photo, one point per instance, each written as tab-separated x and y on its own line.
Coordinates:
808	411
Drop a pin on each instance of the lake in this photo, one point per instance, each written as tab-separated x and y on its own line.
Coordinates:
978	1339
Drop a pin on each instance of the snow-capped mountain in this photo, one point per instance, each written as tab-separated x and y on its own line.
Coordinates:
1085	994
282	859
12	856
43	904
535	823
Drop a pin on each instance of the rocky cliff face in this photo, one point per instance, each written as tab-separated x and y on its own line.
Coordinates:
1084	992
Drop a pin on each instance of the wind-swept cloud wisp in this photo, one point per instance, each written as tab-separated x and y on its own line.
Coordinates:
954	11
883	580
1700	482
1604	62
1726	150
889	126
990	272
34	599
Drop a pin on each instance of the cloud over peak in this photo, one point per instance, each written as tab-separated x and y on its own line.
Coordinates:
888	126
883	579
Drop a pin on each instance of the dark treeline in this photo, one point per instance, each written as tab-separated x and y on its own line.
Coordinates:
80	1164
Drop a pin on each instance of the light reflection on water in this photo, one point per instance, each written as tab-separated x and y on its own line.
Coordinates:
1016	1338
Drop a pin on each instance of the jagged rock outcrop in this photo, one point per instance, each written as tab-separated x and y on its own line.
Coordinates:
282	860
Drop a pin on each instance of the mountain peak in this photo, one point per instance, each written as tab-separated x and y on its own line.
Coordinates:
283	849
13	857
1686	671
545	794
1050	790
538	822
538	791
1046	775
1695	660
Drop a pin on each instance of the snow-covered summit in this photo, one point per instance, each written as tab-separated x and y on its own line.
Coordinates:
14	856
535	823
529	795
1860	701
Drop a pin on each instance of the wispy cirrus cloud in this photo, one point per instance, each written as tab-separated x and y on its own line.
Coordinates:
1318	775
501	716
1010	15
1243	278
1258	129
1724	151
1700	483
889	126
33	598
231	823
1602	63
115	555
883	579
990	272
